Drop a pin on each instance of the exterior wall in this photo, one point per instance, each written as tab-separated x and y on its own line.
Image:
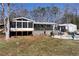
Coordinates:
22	29
69	27
41	32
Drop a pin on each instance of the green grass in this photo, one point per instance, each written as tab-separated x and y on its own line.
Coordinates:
39	46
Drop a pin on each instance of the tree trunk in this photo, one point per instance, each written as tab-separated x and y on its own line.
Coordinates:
8	23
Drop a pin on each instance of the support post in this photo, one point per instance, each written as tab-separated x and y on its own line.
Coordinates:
27	27
22	26
16	28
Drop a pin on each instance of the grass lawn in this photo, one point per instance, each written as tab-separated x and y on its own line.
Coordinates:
38	46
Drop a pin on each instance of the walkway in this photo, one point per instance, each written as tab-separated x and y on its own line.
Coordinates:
66	37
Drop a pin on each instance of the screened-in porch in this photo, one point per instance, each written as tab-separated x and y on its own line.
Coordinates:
21	26
43	25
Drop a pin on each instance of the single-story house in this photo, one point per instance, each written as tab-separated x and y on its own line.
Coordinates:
25	26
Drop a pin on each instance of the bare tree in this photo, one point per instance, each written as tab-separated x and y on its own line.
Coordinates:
8	22
55	11
38	14
19	13
2	13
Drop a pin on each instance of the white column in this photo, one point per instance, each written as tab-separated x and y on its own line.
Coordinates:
27	27
16	24
27	24
33	25
16	27
22	26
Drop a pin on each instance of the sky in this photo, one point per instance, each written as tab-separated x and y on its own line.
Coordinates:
31	6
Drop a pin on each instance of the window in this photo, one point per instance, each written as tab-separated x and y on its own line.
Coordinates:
19	24
24	24
13	24
30	24
63	29
43	27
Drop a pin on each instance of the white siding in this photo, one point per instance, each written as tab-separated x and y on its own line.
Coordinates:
22	29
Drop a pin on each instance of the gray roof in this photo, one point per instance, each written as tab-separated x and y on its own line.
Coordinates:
44	23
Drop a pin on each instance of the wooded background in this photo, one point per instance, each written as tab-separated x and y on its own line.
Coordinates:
53	13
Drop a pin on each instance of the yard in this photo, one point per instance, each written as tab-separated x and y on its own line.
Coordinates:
38	46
